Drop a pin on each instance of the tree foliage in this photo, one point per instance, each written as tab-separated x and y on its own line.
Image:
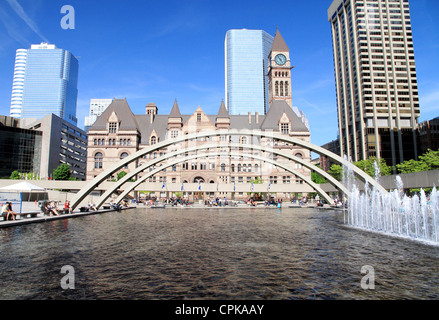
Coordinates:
121	174
316	178
428	161
15	175
336	171
368	166
62	172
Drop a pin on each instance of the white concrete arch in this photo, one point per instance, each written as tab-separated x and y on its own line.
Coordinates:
155	161
307	180
256	133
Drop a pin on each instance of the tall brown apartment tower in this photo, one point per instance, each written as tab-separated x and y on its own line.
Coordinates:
376	84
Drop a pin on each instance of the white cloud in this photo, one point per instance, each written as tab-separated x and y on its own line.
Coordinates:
22	14
12	28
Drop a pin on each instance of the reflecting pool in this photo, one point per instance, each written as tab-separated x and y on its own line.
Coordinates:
213	254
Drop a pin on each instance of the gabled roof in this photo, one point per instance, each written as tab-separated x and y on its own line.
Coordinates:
175	112
277	109
279	43
120	107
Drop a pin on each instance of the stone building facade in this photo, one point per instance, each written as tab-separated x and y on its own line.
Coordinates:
118	133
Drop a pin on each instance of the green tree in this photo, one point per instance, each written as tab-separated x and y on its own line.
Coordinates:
257	180
428	161
62	172
316	178
121	174
431	159
412	166
368	166
15	175
178	194
336	171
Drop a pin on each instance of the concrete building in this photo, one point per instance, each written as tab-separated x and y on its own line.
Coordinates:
61	142
20	149
429	135
246	68
97	106
45	82
376	82
333	146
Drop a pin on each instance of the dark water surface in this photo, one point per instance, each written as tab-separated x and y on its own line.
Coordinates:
212	254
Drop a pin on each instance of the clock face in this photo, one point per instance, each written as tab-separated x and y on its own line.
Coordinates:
280	59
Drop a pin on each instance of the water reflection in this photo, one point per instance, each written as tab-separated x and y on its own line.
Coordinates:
212	254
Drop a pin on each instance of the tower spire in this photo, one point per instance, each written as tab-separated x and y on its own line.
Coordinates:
279	43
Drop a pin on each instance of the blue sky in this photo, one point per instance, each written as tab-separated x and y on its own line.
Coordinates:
159	51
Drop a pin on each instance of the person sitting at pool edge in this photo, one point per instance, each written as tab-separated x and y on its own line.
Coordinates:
67	208
7	211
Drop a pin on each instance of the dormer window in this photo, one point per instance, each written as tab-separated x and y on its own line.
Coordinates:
285	128
112	127
153	140
174	134
198	117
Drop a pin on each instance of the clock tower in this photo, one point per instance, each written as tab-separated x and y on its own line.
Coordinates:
279	71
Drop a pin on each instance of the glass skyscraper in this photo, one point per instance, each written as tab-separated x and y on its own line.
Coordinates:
246	66
45	82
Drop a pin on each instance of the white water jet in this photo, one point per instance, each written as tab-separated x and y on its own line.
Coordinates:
392	213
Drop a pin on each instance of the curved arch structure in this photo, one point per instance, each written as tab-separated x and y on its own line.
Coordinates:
276	163
153	162
251	133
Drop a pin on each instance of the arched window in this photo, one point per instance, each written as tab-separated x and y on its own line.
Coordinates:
96	142
281	88
276	88
239	167
256	167
223	167
286	88
298	165
153	140
122	156
244	140
98	160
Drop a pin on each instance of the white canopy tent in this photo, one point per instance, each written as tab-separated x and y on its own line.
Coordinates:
21	188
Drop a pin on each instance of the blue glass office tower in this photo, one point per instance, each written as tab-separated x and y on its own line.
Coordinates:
246	66
45	82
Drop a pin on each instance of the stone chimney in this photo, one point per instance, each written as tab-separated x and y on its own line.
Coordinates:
257	117
250	117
